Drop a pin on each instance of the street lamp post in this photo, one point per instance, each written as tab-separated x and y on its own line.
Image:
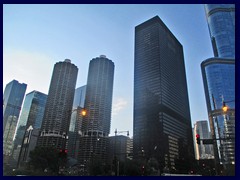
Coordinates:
83	113
229	135
225	108
116	162
215	146
214	120
64	148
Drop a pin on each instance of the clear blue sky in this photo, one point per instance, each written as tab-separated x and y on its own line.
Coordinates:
35	37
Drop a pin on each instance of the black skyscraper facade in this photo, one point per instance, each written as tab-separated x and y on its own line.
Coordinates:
162	123
98	105
56	119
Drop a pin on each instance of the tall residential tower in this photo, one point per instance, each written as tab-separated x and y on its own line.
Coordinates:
221	24
98	104
56	119
219	80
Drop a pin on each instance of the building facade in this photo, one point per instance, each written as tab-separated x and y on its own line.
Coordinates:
219	85
202	151
56	119
79	97
76	122
98	104
162	123
221	24
119	148
31	115
219	80
12	101
29	143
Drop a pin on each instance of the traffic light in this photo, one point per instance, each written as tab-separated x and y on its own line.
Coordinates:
63	153
198	138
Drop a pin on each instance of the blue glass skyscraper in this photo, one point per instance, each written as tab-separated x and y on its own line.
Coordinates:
221	23
79	97
219	81
12	102
31	115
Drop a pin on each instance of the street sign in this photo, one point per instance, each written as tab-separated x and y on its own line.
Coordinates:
207	141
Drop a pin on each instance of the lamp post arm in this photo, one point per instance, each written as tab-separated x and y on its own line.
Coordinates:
229	101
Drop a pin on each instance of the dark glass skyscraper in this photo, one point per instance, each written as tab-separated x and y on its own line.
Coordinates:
98	104
219	80
56	120
162	123
12	101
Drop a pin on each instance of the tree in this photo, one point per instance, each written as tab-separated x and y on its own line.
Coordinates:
133	168
45	158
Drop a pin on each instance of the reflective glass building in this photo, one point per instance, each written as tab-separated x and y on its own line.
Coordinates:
221	23
219	84
31	115
162	123
219	80
12	101
79	97
76	122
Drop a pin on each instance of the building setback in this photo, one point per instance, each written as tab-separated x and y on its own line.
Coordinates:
12	101
56	120
162	124
98	104
219	85
219	82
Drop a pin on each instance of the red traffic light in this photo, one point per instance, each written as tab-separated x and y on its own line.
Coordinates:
64	151
198	138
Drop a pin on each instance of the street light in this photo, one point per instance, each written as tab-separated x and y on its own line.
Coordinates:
225	107
84	112
116	163
80	111
229	134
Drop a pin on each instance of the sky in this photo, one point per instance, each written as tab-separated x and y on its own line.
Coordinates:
36	36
